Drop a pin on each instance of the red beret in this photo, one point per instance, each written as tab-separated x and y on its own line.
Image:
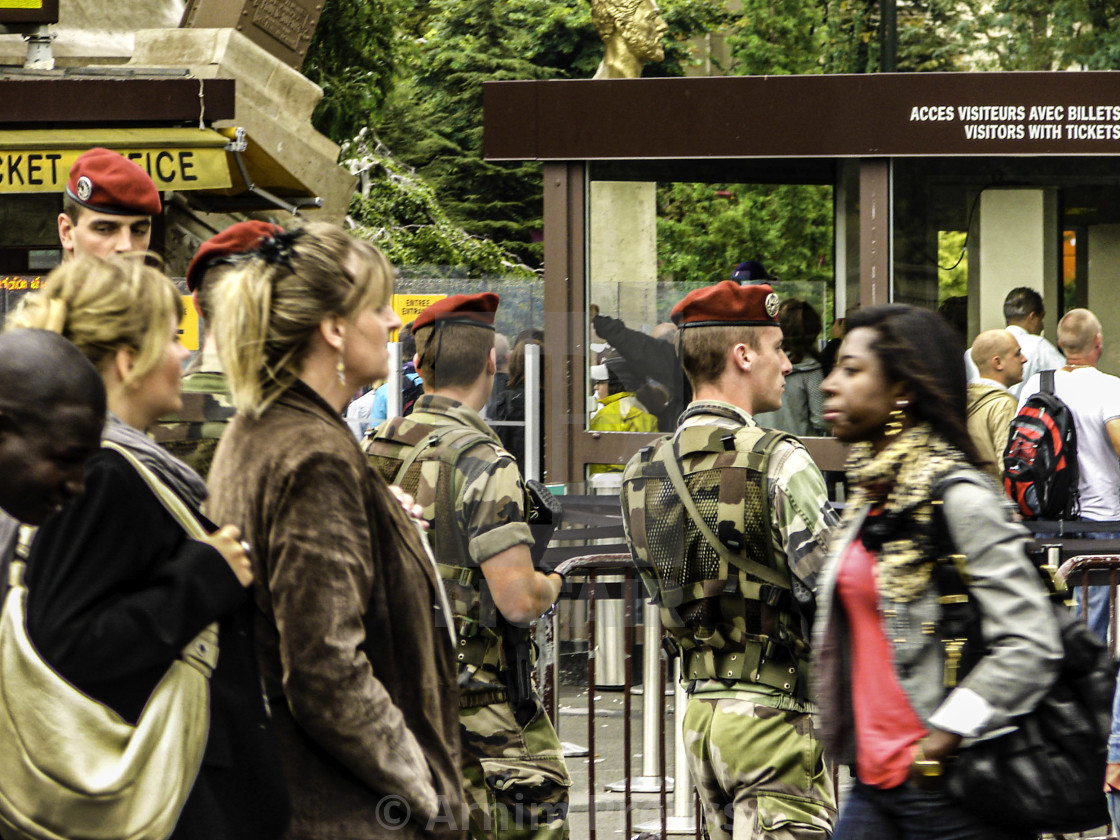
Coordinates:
107	182
727	304
236	239
475	310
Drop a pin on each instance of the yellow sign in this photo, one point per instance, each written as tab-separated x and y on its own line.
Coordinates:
20	283
175	158
409	306
21	4
170	169
188	327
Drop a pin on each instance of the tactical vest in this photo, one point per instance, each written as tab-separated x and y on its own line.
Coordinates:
733	621
403	451
192	434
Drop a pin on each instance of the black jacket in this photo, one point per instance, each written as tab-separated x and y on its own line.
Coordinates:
653	358
116	590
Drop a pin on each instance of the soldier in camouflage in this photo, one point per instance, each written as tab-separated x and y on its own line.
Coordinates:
514	776
728	524
192	434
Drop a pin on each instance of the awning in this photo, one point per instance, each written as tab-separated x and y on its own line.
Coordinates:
259	180
176	158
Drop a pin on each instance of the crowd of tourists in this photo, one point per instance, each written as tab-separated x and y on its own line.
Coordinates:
233	614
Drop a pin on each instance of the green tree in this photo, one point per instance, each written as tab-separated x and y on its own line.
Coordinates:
433	120
354	57
705	230
777	37
398	211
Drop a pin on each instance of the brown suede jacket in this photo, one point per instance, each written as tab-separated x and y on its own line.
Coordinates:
362	681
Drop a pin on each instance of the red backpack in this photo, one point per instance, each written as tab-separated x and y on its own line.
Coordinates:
1040	462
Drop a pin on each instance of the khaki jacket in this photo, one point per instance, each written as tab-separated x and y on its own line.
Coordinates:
362	681
990	412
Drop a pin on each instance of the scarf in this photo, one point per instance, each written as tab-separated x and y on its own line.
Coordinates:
171	471
899	483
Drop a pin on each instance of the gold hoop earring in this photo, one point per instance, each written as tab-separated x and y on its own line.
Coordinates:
895	420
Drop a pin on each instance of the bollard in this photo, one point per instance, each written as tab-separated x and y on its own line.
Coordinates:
533	408
683	819
393	391
653	687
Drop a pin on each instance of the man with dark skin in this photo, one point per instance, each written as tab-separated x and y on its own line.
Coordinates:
52	409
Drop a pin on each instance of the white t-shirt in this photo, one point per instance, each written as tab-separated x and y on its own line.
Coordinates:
1039	353
1094	399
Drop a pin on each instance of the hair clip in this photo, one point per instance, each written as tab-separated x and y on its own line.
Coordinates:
278	249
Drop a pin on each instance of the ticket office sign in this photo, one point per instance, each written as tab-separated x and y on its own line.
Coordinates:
46	170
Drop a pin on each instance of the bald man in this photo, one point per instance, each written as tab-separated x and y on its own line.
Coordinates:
1093	398
991	406
52	409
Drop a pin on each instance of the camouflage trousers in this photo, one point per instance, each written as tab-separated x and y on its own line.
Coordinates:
514	778
760	771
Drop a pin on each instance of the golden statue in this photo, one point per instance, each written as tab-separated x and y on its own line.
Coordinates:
631	31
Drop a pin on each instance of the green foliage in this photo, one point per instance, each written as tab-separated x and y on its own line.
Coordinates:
354	56
434	120
952	264
399	213
933	35
777	37
1058	35
705	230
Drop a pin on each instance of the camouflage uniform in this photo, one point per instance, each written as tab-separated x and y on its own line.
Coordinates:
514	776
752	753
192	434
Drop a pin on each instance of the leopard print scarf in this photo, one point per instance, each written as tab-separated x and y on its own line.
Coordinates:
899	483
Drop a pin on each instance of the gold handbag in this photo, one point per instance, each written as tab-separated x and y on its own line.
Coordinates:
73	768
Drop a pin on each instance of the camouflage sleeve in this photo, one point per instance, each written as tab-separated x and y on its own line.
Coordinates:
492	505
801	514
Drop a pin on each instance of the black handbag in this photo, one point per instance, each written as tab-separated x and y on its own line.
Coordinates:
1047	773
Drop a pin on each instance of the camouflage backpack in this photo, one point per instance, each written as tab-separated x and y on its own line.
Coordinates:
724	593
401	449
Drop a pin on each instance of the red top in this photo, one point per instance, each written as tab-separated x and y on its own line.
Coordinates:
887	728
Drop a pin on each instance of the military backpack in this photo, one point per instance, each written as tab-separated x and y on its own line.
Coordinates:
697	514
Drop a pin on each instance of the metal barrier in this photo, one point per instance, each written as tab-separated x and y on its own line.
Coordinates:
589	569
1082	571
584	572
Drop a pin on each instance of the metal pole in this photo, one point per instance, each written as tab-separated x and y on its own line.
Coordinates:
393	391
888	62
653	688
682	797
591	652
532	411
682	821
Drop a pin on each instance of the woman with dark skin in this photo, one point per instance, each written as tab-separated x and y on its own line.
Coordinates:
897	394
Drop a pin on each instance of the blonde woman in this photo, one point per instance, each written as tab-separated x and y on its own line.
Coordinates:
117	588
362	681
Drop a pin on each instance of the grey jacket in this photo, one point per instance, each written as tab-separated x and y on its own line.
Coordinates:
1017	622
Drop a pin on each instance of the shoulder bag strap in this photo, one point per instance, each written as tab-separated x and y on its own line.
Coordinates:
672	468
175	506
1046	381
202	650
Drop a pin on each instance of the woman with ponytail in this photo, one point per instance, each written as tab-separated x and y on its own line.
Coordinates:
116	586
361	678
